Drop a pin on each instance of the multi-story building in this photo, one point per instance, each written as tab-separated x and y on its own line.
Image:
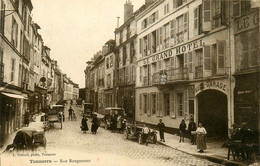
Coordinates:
184	64
245	27
109	87
14	61
125	61
75	92
58	92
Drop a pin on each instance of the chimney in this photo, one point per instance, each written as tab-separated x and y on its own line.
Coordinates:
128	10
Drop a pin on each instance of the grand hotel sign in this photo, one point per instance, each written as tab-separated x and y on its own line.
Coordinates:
175	51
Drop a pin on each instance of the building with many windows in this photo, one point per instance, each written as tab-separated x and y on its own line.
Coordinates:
184	64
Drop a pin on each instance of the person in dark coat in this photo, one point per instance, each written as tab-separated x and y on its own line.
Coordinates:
113	123
192	131
70	113
26	118
84	124
182	129
161	128
94	125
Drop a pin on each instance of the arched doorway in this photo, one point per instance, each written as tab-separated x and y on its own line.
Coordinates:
212	112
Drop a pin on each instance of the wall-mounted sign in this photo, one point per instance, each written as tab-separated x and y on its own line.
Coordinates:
247	22
218	85
185	48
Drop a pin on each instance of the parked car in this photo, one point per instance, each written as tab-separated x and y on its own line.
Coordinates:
109	111
135	132
27	139
88	109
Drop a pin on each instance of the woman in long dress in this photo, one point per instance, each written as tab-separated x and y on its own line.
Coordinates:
84	124
201	138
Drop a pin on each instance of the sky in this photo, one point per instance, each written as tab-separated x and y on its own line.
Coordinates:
75	30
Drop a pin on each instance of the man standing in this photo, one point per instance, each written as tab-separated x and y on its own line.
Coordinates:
192	131
145	131
161	127
70	113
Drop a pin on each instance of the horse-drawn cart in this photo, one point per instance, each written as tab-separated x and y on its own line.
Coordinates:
56	115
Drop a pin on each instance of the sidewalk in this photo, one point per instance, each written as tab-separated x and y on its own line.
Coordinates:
214	152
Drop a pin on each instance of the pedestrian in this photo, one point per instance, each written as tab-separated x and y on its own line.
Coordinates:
71	102
161	127
113	122
182	129
84	124
70	113
119	123
192	131
201	138
94	125
146	132
123	124
26	118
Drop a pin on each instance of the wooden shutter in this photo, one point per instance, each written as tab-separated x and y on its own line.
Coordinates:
159	103
196	21
141	46
172	106
148	104
157	111
190	60
206	25
156	15
186	26
221	56
157	40
207	57
186	104
149	44
236	8
224	12
141	104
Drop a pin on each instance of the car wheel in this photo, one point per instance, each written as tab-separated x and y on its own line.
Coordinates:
140	138
154	138
125	134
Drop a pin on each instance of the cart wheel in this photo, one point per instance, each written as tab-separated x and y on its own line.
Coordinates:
140	138
126	134
154	138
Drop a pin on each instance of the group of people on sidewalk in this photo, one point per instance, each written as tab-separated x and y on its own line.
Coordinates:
197	135
94	125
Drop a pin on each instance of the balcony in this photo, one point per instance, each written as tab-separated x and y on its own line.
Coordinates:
171	75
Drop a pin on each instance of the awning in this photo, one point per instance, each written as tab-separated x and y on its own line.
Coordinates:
13	95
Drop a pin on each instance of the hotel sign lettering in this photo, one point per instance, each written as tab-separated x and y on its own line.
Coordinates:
175	51
247	22
211	85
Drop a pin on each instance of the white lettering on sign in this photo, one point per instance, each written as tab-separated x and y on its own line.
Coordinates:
175	51
247	22
211	84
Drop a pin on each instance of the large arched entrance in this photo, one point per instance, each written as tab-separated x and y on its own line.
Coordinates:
212	112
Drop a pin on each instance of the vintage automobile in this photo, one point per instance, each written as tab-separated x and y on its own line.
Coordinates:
27	139
134	131
88	109
109	111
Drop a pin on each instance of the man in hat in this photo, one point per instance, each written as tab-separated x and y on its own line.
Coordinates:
161	127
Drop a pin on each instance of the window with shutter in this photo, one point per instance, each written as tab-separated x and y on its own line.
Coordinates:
236	8
172	106
141	46
157	105
156	15
149	44
145	104
206	16
185	26
157	39
160	104
166	101
216	14
254	53
190	62
141	74
148	104
167	35
221	54
180	104
207	57
196	21
2	17
153	103
141	104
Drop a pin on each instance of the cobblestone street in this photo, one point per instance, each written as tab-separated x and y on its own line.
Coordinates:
105	145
